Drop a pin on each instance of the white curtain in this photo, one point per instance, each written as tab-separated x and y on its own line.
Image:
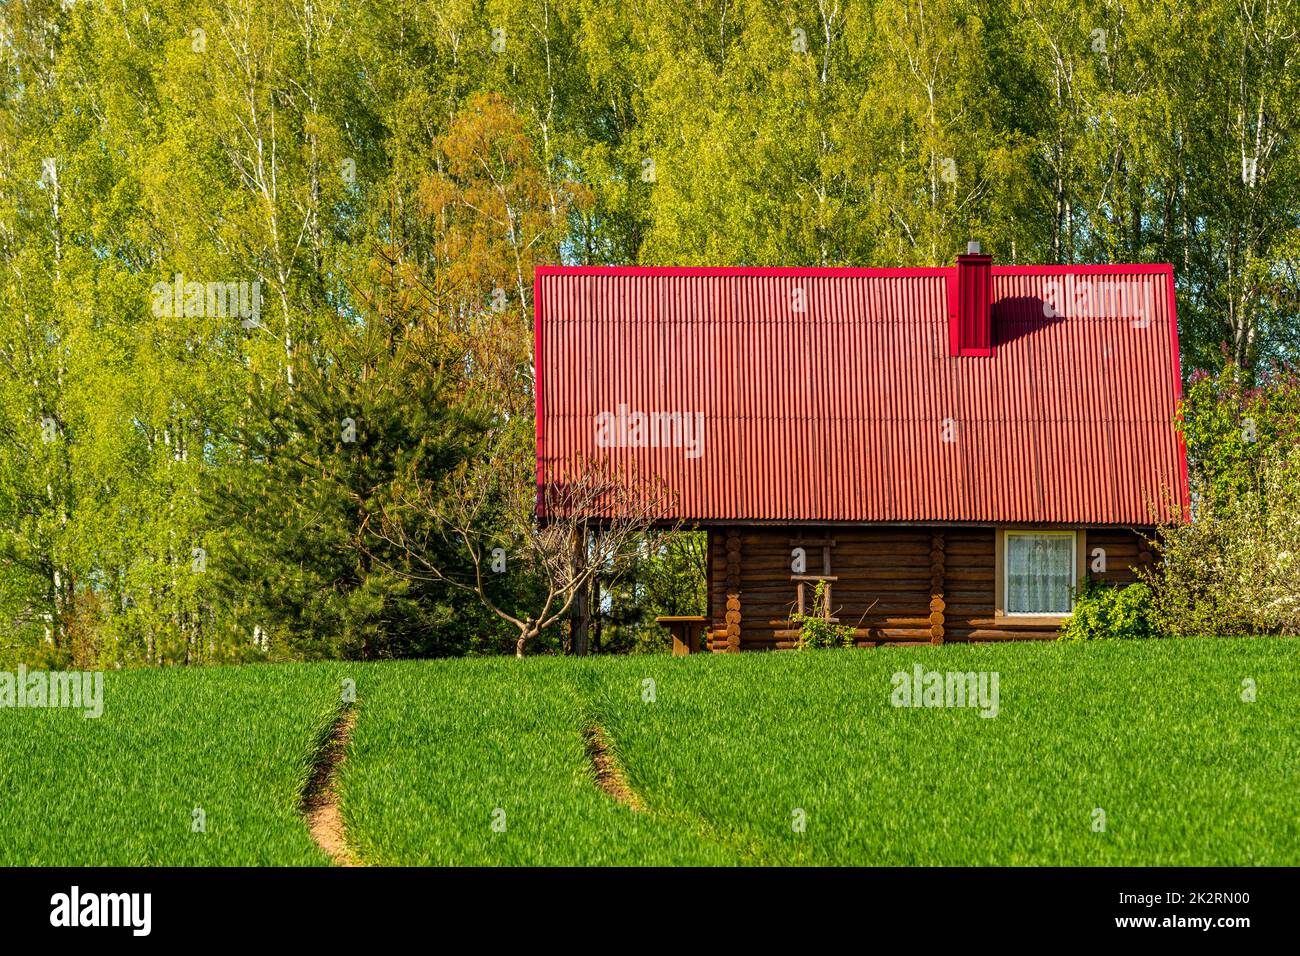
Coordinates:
1040	572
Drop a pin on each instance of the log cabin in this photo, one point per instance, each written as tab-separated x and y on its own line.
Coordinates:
948	452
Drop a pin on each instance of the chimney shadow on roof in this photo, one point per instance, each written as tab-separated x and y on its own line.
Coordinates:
1017	317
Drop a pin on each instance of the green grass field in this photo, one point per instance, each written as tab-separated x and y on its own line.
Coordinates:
443	749
121	790
750	759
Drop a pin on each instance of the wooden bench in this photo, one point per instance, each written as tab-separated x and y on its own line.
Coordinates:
686	632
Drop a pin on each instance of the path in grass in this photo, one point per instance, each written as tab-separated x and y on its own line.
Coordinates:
485	762
320	801
202	766
1114	753
464	762
609	775
774	758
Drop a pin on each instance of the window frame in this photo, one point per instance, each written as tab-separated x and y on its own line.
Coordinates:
1000	613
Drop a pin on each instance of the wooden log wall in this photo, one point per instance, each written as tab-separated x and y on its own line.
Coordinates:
938	559
725	617
894	585
971	591
1124	552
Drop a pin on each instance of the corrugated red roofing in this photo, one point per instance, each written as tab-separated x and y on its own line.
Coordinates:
853	409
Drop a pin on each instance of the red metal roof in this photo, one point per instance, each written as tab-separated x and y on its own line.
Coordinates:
853	409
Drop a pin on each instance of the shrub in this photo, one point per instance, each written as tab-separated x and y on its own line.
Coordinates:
1105	611
817	629
1235	567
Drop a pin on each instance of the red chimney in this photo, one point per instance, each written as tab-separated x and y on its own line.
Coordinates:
970	315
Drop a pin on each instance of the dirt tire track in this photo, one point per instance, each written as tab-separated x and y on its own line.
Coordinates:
610	779
320	800
609	775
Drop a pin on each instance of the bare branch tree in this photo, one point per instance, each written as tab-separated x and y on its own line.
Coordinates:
489	515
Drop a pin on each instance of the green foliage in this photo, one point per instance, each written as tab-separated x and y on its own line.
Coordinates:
816	629
1104	611
302	556
670	578
1233	429
1233	569
308	149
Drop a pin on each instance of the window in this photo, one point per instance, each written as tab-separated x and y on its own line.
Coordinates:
1040	572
